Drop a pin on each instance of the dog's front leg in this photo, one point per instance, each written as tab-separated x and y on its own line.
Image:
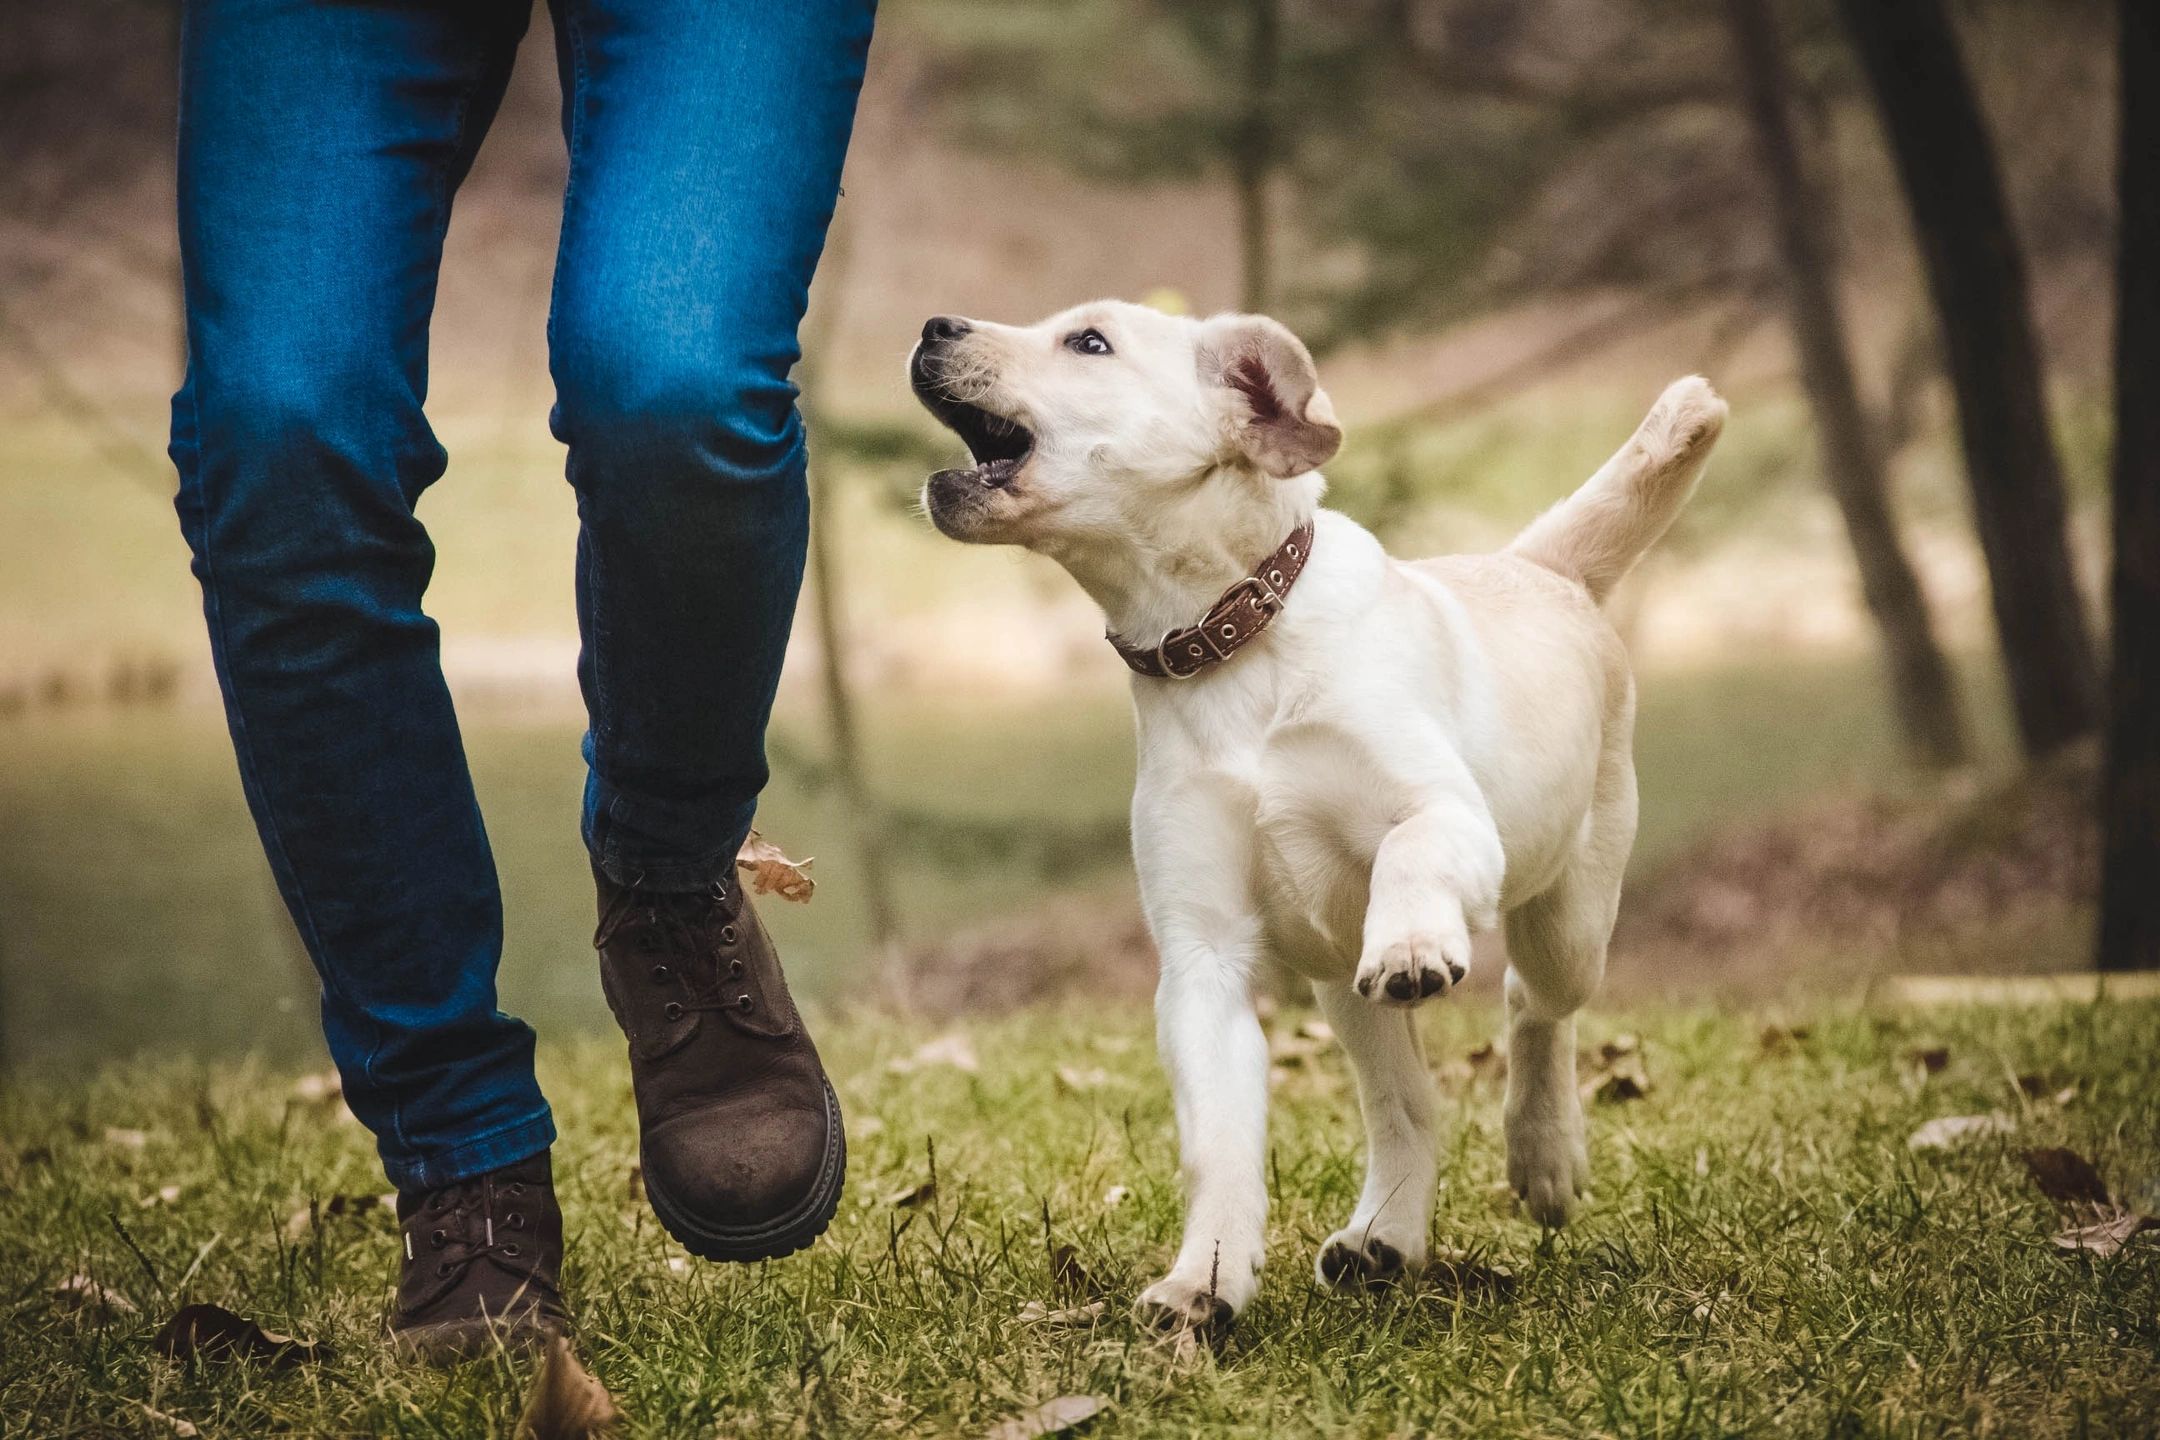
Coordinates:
1435	878
1193	846
1217	1057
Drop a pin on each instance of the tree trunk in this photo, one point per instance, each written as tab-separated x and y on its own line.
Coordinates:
1976	274
2129	936
1926	700
1253	158
865	816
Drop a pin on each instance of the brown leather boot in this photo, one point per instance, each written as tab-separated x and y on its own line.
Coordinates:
739	1130
483	1261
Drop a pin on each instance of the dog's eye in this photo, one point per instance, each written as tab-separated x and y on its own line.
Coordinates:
1087	342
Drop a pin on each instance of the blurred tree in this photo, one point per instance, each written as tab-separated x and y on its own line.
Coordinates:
1147	90
2129	934
1946	163
1927	705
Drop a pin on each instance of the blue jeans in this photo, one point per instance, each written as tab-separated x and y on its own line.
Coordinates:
320	145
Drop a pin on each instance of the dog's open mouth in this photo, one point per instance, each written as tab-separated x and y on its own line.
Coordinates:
999	446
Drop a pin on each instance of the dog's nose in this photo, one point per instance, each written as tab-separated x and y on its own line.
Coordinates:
943	327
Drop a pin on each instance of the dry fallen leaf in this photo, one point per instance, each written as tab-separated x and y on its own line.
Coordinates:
1078	1081
1947	1130
913	1196
1069	1274
772	873
320	1088
566	1402
185	1429
1078	1317
955	1050
213	1333
80	1292
1461	1272
2068	1178
2106	1236
1053	1417
1782	1039
337	1207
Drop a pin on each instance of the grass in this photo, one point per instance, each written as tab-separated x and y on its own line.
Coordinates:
1764	1255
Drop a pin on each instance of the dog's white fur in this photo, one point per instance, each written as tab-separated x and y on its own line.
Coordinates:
1416	750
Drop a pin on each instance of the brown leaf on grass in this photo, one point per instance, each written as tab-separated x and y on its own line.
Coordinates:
1053	1417
185	1429
1947	1130
321	1088
1296	1048
80	1292
2105	1236
1462	1272
913	1196
566	1402
1782	1039
1078	1317
955	1050
2040	1087
1079	1081
772	873
1071	1276
213	1333
2068	1178
337	1207
1619	1086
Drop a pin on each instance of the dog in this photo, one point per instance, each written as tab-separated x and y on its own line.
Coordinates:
1348	763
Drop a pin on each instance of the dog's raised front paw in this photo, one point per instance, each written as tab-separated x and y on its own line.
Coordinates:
1355	1258
1172	1304
1414	968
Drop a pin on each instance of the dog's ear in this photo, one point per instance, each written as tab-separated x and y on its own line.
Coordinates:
1283	421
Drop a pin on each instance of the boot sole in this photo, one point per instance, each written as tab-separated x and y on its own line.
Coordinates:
783	1236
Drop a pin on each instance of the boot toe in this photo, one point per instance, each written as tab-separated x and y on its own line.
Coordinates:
727	1172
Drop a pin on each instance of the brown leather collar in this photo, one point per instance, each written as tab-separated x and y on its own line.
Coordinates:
1245	609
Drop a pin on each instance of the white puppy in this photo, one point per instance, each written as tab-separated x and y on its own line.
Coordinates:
1350	777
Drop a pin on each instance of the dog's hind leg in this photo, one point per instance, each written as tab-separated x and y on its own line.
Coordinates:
1556	952
1386	1237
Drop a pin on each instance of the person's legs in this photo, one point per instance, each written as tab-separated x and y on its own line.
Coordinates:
706	140
320	144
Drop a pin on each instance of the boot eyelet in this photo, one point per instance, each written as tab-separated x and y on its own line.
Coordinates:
516	1220
438	1239
734	967
729	935
744	1004
517	1187
511	1251
661	974
442	1269
673	1011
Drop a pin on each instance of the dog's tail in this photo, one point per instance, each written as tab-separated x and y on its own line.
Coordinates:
1598	533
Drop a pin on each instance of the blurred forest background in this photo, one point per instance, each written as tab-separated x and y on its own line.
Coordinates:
1872	658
